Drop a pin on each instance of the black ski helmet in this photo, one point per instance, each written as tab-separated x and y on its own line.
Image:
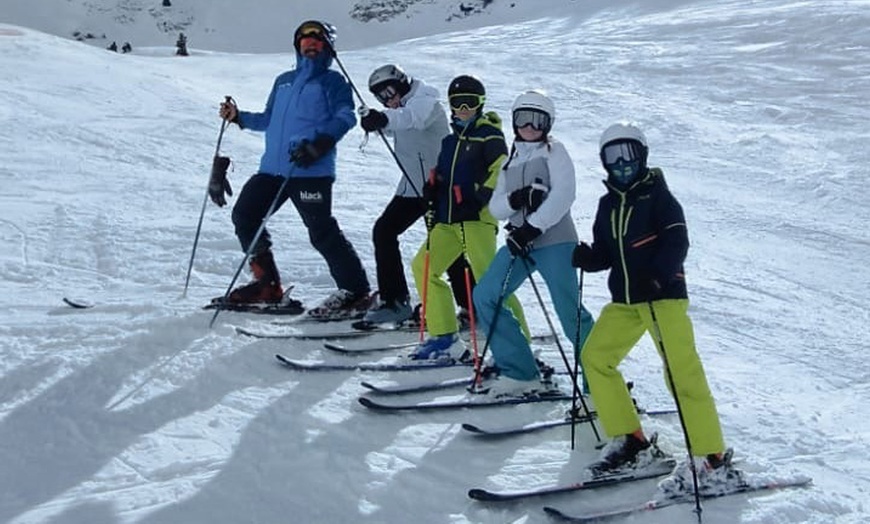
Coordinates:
466	85
322	30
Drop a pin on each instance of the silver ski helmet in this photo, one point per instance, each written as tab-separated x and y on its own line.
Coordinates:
467	91
533	108
623	150
323	31
388	80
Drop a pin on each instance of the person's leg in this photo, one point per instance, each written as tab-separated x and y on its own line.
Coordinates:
251	207
313	200
510	349
618	329
696	401
554	264
444	248
397	217
456	276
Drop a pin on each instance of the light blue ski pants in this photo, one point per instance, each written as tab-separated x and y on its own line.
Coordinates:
510	349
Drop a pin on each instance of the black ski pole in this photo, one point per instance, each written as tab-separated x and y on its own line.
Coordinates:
380	132
252	245
478	371
657	335
576	390
577	349
217	150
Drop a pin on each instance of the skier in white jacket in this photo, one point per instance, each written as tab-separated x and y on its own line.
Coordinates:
534	193
415	118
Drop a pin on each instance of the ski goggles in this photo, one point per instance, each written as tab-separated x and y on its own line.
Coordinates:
312	30
468	102
385	94
539	120
626	150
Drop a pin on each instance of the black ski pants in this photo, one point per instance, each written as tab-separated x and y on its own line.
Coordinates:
312	198
399	215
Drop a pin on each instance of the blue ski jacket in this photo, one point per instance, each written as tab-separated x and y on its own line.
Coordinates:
308	101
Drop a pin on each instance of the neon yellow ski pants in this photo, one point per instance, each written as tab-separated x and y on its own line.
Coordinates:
618	329
446	242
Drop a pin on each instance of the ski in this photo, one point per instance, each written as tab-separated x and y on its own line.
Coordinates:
532	427
482	402
340	348
301	335
77	304
387	347
656	469
660	503
365	366
262	308
401	389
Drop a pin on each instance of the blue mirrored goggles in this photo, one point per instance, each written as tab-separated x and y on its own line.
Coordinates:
627	150
539	120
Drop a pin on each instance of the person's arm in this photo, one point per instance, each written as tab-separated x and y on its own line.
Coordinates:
562	191
260	121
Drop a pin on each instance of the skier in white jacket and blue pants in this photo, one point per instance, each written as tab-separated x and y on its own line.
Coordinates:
534	193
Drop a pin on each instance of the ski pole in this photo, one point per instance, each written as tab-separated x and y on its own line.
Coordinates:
217	149
470	298
253	244
380	132
577	349
478	370
573	376
657	335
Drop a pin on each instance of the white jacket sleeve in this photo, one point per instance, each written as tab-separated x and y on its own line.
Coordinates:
499	206
562	192
415	114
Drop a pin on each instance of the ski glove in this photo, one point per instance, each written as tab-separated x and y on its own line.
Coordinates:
218	183
529	197
519	241
373	120
582	256
309	152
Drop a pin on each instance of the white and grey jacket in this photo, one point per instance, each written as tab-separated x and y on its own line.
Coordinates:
548	164
417	127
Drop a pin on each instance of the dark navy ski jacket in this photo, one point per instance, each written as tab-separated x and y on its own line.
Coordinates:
640	235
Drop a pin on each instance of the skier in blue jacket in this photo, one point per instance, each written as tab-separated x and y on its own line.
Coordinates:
308	110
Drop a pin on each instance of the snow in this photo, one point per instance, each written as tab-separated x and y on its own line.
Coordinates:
135	411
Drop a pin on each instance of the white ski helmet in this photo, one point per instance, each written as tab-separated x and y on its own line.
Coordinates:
389	75
535	100
622	131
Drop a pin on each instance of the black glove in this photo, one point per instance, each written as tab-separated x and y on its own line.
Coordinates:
374	120
309	152
218	183
582	256
531	197
519	241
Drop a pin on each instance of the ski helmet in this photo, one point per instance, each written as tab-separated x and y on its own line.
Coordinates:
466	91
534	108
323	31
623	151
389	76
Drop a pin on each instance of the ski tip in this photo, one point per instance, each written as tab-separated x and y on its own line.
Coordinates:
473	429
77	304
368	385
367	402
478	494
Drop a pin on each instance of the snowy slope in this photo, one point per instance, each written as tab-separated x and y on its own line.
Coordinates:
267	25
134	411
